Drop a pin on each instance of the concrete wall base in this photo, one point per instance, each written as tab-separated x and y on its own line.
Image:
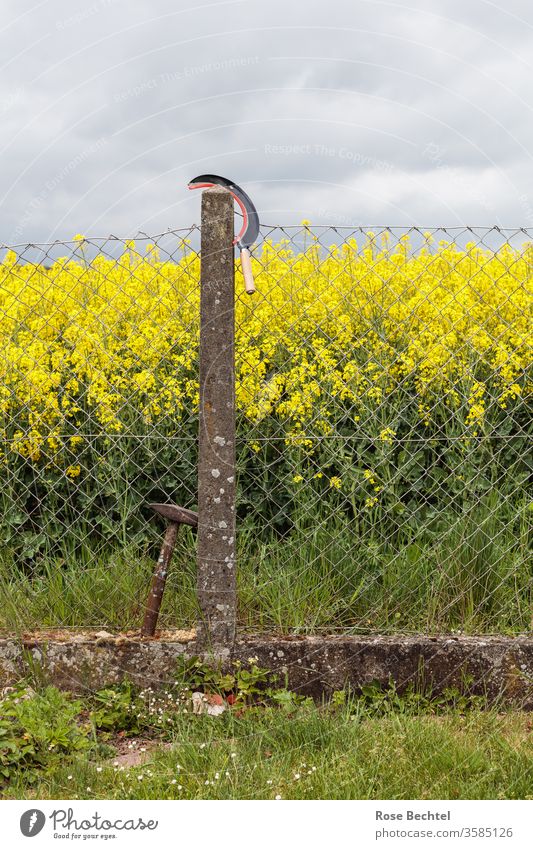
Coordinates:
498	667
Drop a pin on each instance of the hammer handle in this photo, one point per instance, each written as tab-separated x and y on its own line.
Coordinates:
159	580
246	265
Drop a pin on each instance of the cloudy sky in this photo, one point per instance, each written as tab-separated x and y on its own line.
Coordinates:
349	112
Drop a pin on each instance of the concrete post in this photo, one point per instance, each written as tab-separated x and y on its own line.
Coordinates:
216	459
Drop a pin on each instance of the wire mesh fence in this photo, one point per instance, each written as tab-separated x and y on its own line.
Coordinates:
383	429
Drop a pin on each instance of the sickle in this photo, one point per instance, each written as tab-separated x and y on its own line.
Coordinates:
250	226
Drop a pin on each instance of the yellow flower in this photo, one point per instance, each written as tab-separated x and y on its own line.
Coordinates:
104	346
387	435
297	479
73	471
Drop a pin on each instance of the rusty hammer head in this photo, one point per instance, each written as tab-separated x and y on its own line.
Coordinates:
175	514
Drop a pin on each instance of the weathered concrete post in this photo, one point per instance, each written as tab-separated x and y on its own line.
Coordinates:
216	459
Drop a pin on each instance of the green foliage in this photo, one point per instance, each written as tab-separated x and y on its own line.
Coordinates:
245	682
37	730
269	734
289	701
375	700
194	674
118	708
327	751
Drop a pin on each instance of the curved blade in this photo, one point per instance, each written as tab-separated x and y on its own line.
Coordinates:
250	228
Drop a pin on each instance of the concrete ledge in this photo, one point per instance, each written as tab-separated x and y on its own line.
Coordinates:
498	667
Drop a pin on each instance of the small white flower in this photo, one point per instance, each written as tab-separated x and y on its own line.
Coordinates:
278	796
233	755
297	776
69	778
98	769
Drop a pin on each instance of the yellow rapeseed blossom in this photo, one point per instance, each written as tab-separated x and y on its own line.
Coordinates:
111	344
387	435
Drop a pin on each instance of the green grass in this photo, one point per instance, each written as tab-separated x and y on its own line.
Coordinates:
472	574
347	750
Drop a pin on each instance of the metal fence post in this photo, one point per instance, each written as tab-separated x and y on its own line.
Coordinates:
216	449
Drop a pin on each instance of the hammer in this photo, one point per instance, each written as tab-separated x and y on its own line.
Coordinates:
176	516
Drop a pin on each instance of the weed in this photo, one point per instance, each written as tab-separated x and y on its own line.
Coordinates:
37	730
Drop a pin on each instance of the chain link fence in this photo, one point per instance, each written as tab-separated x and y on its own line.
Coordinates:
383	429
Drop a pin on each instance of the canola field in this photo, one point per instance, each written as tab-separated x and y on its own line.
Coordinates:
383	395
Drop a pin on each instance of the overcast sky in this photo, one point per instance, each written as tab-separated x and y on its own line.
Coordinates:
343	111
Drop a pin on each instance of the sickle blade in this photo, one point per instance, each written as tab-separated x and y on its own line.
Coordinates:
250	229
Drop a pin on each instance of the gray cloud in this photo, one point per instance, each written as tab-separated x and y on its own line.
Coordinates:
354	112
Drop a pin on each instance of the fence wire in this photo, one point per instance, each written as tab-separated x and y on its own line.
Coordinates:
383	383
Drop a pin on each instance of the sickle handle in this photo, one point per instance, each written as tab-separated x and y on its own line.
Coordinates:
246	265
